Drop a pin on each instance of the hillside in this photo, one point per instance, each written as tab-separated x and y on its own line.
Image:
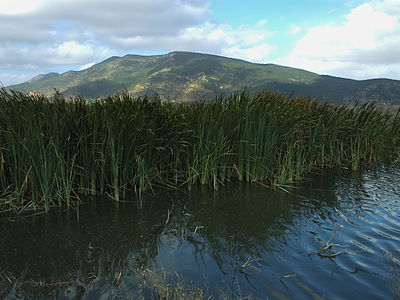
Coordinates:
185	76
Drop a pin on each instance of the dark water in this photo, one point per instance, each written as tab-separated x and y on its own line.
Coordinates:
239	241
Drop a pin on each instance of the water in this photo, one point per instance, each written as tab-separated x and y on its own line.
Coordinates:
239	241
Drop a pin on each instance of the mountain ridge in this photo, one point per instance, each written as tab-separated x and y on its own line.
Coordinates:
187	76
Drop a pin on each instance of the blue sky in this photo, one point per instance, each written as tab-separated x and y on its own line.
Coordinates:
348	38
279	13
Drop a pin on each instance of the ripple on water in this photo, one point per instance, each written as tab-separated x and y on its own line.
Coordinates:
338	239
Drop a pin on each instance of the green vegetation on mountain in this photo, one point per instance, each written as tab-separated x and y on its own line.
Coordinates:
185	76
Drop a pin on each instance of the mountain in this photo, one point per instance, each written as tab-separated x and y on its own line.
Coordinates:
186	76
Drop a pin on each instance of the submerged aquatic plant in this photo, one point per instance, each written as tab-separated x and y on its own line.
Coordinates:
52	150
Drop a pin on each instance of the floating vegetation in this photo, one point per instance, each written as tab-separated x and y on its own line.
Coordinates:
53	150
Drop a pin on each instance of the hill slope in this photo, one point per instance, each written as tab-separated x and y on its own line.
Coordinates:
185	76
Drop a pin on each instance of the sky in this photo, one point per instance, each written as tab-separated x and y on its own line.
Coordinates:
347	38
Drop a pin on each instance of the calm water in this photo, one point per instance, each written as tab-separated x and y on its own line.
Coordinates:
204	238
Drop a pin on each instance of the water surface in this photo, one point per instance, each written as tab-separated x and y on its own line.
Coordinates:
241	240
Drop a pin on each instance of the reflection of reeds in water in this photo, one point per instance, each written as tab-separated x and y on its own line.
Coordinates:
151	285
53	151
114	250
146	284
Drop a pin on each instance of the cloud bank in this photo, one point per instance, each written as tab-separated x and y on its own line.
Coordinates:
365	45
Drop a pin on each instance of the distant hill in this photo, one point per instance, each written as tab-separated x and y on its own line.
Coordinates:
185	76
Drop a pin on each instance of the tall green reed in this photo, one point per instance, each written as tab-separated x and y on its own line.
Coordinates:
54	151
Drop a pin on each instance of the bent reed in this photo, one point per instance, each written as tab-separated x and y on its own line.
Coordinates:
54	150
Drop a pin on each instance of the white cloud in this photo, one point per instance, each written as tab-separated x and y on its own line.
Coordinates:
27	58
72	48
88	65
366	45
104	19
293	29
259	53
261	22
245	42
12	7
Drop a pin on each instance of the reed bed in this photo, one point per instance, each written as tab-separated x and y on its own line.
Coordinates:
53	150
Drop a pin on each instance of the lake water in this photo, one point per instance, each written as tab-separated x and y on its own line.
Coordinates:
239	241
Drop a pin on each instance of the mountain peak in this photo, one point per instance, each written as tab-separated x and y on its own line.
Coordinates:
43	76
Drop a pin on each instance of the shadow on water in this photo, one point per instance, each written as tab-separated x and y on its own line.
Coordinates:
242	239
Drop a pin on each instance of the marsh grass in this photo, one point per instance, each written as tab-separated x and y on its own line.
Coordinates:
54	150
